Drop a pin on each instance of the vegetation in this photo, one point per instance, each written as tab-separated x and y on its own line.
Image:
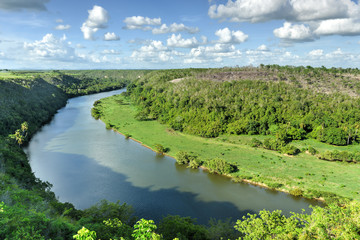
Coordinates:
270	106
315	177
282	104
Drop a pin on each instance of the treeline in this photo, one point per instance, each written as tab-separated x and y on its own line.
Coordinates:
280	108
28	207
35	96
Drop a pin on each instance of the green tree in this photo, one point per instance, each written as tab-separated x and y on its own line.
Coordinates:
145	230
85	234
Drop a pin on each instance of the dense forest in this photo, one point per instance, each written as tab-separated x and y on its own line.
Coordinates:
190	101
281	105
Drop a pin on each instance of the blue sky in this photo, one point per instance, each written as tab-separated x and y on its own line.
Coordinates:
89	34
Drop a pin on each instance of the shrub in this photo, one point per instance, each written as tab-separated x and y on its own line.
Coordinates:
183	157
255	142
95	113
195	162
160	148
297	192
312	150
220	166
290	149
274	185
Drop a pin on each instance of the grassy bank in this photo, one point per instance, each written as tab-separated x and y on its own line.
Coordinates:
303	171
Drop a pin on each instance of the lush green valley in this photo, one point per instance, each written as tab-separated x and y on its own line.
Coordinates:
206	117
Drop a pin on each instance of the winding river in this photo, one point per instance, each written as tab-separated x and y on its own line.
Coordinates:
86	163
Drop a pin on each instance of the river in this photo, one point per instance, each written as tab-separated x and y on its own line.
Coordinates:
86	163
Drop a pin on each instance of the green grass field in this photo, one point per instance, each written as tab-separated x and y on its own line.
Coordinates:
302	171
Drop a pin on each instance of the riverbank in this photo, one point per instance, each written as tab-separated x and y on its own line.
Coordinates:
301	174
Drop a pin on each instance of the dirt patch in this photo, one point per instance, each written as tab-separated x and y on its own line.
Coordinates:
177	80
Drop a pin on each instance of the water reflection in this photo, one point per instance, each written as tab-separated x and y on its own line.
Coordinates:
87	163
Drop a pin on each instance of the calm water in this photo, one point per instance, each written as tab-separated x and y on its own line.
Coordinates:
87	163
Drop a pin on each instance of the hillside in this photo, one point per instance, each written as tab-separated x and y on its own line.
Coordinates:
30	210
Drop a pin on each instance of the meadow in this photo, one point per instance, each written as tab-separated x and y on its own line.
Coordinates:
314	177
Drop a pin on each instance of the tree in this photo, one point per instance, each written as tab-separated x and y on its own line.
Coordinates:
85	234
145	230
160	148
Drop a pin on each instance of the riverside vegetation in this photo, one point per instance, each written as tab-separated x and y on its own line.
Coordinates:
271	125
30	210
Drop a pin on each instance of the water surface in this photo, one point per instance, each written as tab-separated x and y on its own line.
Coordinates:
87	163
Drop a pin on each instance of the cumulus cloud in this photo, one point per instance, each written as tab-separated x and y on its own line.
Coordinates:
215	53
111	37
316	53
147	24
173	28
306	20
346	27
140	22
263	47
227	36
97	19
62	27
294	32
178	41
290	10
59	20
18	5
51	48
249	10
154	52
310	10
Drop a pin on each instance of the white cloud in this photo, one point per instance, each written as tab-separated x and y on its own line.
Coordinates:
110	52
290	10
140	22
316	53
59	20
173	28
178	41
17	5
310	10
227	36
263	47
154	52
97	19
212	53
62	27
52	48
111	37
249	10
338	27
295	33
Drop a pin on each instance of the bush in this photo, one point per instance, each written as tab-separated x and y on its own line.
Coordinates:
290	149
160	148
220	166
274	185
195	162
297	192
95	113
183	157
312	150
344	156
273	144
255	142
